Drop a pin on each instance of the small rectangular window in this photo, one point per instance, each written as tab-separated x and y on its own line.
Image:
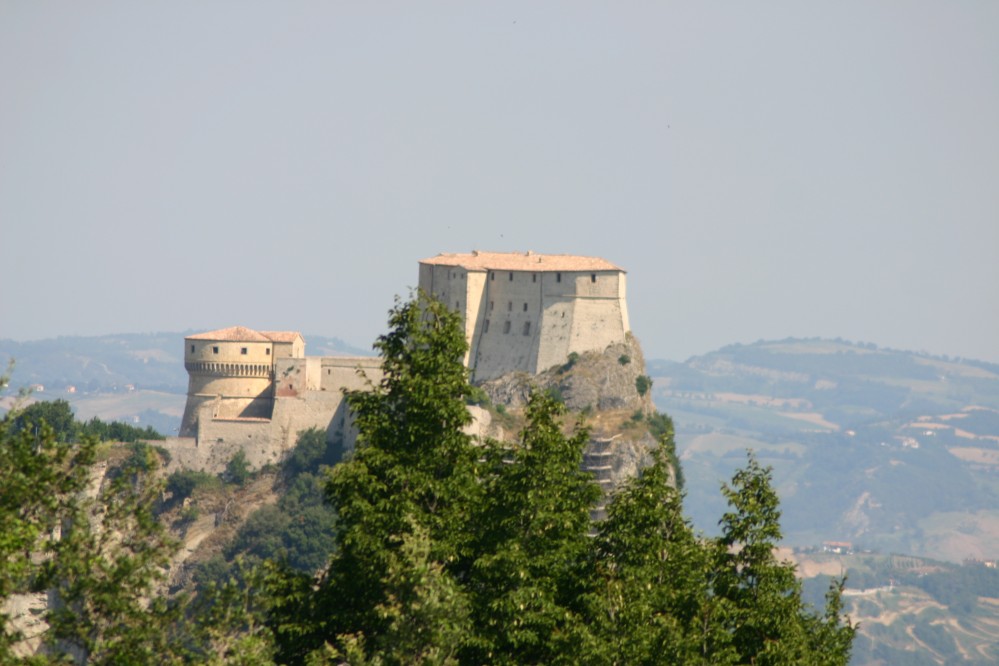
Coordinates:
534	277
242	350
492	276
511	277
268	352
558	277
527	328
457	306
506	327
525	307
215	350
509	306
485	329
593	277
192	349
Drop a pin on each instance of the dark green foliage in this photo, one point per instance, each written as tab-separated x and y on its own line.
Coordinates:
298	530
571	361
448	553
661	427
181	484
310	453
533	550
624	359
59	416
413	469
38	489
111	556
116	431
654	604
237	470
477	396
642	384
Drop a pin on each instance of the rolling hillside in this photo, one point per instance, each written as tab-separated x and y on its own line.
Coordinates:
890	450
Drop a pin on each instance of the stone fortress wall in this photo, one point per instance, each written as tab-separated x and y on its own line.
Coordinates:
526	311
255	390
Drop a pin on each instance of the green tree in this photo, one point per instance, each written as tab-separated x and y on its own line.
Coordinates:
768	621
534	550
237	470
108	571
57	414
413	467
39	488
655	603
100	557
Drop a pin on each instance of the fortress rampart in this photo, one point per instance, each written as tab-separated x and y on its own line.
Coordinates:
527	312
255	390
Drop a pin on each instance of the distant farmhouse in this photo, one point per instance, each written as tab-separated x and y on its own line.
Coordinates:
255	390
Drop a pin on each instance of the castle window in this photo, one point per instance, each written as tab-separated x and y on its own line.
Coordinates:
492	276
593	277
534	277
491	304
268	351
509	306
485	329
506	327
242	350
558	277
215	350
527	328
511	277
525	307
192	349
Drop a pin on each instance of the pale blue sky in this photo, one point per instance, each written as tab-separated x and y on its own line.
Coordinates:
761	170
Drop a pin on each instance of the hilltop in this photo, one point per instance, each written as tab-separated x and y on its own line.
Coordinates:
894	450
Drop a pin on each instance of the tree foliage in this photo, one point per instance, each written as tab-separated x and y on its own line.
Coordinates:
455	551
436	547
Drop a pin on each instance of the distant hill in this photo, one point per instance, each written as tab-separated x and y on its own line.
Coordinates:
138	378
894	450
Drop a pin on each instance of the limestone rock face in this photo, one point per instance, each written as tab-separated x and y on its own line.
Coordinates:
603	387
593	381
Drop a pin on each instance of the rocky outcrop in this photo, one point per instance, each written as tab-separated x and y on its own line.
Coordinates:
604	387
593	381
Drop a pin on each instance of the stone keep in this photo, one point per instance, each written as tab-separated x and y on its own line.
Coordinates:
256	390
527	312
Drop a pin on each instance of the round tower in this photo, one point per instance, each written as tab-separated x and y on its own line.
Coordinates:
232	369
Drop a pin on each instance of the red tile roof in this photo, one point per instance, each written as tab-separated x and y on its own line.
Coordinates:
282	336
243	334
521	261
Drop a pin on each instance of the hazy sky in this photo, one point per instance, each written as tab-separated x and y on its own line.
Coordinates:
760	169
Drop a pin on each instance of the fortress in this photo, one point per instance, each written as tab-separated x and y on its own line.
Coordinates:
527	312
523	312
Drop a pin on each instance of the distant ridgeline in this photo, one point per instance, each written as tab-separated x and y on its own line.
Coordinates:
523	312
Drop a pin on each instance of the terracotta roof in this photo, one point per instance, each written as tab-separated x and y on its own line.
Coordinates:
521	261
231	334
282	336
